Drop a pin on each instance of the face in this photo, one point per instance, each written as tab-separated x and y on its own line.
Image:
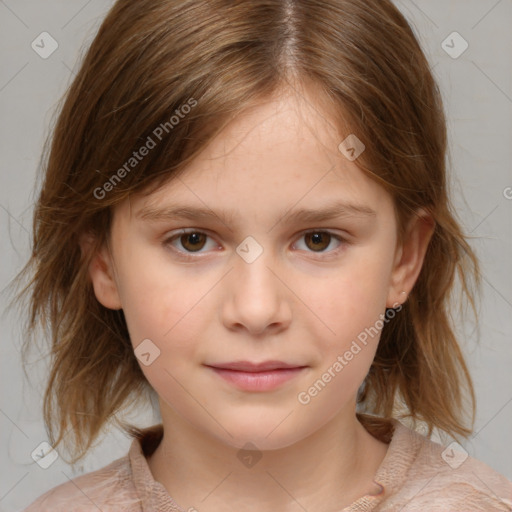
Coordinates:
293	259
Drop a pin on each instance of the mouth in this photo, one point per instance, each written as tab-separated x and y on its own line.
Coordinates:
250	376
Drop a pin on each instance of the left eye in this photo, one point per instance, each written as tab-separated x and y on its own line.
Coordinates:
318	241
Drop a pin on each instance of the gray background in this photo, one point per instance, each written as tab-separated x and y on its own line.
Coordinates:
477	88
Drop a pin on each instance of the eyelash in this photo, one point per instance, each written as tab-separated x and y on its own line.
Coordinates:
189	256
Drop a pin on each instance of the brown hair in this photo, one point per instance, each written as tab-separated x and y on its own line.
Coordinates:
149	59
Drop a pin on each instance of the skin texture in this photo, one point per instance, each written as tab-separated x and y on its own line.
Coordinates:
297	302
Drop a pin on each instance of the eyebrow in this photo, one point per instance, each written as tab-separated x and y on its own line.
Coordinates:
329	212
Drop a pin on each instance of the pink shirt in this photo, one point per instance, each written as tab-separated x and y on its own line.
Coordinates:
414	476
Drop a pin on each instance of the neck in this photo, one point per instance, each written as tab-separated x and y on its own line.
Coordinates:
325	471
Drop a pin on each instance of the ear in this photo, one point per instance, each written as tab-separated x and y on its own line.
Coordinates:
409	257
101	273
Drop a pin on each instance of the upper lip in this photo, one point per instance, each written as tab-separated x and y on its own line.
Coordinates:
248	366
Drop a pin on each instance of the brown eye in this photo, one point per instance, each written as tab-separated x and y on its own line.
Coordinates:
317	240
190	245
194	241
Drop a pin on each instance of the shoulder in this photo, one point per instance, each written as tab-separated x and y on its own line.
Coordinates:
107	489
439	478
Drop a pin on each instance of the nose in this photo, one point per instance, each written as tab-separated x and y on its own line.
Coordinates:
257	298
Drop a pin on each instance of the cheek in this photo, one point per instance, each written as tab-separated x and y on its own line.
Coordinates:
161	303
173	317
346	342
353	298
351	307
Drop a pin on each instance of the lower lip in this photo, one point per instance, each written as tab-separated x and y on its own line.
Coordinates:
258	381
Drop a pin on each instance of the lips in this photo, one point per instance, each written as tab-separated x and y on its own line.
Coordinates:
257	377
248	366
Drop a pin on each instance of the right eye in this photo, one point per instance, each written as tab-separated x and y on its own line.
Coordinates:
192	241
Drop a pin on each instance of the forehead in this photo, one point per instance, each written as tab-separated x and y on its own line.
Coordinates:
274	156
276	126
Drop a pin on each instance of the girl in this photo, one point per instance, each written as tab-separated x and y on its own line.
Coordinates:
245	211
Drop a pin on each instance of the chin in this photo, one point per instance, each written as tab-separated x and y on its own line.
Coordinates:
265	435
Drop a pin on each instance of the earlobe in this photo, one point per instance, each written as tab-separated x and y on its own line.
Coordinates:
410	257
101	273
